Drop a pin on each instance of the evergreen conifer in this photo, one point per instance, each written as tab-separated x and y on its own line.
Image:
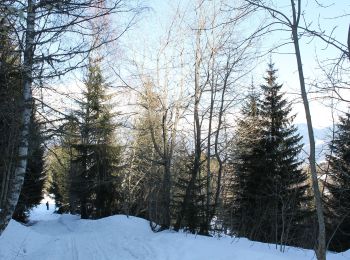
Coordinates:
269	184
339	188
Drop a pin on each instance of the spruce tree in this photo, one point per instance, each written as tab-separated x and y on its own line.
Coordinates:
62	169
193	212
58	169
269	185
98	155
85	166
284	190
246	158
339	187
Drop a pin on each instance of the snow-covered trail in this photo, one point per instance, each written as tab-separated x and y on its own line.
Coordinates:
53	236
66	237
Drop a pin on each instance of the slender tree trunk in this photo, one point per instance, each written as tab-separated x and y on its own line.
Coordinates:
208	211
197	124
166	194
229	69
195	169
20	170
349	42
83	184
197	137
321	240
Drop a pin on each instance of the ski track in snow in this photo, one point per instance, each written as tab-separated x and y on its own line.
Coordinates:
65	237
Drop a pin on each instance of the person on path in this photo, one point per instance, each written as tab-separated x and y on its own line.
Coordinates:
47	205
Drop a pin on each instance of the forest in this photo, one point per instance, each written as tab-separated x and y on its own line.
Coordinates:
188	123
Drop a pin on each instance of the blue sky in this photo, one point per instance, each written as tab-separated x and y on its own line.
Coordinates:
331	17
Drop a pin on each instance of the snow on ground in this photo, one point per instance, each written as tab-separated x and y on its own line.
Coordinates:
66	237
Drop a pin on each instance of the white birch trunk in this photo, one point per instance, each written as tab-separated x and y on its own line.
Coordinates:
17	180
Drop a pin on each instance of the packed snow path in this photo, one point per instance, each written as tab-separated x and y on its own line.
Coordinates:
65	237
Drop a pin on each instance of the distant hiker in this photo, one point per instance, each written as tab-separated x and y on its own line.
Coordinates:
47	205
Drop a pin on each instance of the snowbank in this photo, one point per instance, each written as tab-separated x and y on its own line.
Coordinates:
66	237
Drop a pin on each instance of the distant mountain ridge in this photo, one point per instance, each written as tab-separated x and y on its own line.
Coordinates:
322	138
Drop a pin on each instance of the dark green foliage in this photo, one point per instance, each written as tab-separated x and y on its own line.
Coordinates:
338	217
247	162
285	186
10	108
190	215
143	187
97	156
64	183
269	185
87	179
97	185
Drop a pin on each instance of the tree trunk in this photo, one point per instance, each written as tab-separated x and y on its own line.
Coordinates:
16	182
320	249
166	194
321	240
349	42
208	211
197	137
